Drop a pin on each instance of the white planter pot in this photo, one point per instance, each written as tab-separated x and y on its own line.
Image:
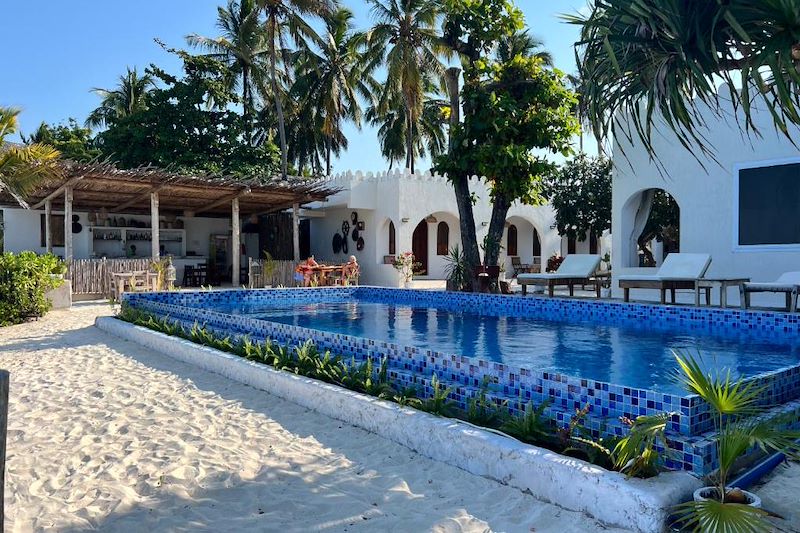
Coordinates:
702	494
605	292
407	284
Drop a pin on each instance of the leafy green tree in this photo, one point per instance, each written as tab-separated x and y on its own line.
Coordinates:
333	80
510	108
580	193
188	126
73	141
406	37
126	99
242	48
22	168
286	21
667	56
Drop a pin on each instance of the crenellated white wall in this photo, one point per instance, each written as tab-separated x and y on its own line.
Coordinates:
406	200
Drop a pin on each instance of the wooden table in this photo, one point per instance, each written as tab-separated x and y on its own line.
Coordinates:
326	275
721	282
133	281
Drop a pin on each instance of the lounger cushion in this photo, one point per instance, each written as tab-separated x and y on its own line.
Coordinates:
787	282
684	266
574	266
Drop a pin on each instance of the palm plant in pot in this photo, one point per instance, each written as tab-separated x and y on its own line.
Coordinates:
456	269
740	428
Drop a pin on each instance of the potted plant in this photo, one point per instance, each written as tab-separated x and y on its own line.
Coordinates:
490	246
455	269
405	264
740	426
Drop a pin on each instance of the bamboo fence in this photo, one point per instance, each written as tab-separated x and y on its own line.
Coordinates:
282	274
93	276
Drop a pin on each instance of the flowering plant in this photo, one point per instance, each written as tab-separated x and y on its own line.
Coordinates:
554	262
406	265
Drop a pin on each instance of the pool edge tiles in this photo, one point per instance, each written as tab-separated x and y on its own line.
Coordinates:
607	401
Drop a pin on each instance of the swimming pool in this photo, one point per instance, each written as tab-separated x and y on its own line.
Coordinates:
636	354
614	357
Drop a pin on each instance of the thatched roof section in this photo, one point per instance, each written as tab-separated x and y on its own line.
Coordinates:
100	185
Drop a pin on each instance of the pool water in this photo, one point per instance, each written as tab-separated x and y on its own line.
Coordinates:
631	354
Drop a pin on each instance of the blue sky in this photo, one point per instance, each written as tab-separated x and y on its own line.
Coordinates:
55	52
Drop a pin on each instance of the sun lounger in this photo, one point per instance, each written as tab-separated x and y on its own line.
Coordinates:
576	269
787	283
679	271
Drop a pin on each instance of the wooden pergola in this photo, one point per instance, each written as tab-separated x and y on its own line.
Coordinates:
100	185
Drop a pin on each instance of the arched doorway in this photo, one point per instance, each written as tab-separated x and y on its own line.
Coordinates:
651	224
419	246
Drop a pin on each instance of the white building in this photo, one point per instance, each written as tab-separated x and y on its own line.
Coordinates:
400	212
743	208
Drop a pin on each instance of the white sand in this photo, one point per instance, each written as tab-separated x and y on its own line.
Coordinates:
106	435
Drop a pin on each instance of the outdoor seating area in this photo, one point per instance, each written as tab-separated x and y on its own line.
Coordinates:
679	271
313	274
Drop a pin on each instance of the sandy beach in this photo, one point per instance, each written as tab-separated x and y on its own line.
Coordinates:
106	435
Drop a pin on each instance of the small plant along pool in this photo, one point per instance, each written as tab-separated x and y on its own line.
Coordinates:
608	359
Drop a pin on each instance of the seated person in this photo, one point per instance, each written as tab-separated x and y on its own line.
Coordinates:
306	270
350	270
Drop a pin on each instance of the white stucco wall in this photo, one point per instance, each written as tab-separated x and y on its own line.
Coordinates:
706	196
406	200
22	231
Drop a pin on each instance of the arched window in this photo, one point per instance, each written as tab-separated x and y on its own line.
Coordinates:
442	238
593	244
511	240
392	239
537	244
572	244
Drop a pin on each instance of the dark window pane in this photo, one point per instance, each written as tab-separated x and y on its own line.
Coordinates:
769	203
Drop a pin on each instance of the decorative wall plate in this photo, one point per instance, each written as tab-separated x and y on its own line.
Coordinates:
337	243
354	217
360	244
345	228
355	234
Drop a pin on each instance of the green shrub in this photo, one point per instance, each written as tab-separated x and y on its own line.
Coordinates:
24	279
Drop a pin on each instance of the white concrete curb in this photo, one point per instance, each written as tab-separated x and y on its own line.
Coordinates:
570	483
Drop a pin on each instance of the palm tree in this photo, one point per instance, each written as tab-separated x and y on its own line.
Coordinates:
242	47
333	79
286	20
650	57
428	135
405	34
127	99
22	168
522	43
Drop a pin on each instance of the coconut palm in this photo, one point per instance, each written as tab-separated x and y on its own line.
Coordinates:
22	168
242	47
333	79
428	134
405	36
667	56
126	99
287	20
522	43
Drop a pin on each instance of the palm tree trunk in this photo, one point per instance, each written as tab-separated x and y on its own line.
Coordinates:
453	91
248	125
278	106
328	156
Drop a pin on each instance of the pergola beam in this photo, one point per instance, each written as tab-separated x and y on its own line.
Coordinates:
57	192
138	198
222	201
